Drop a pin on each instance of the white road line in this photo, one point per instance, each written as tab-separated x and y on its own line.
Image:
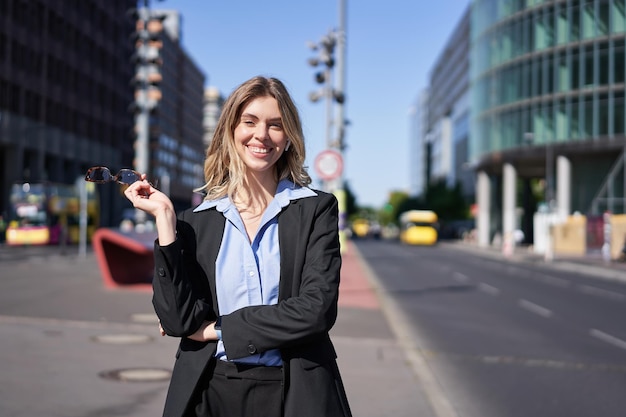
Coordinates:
608	338
590	290
488	289
557	282
460	277
535	308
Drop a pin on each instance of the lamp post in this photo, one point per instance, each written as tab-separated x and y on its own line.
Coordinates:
326	47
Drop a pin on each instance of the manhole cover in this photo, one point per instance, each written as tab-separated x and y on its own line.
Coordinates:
137	375
122	339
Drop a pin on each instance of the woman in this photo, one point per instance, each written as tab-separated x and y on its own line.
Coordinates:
249	279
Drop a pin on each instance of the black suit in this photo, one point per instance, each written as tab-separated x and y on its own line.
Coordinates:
184	296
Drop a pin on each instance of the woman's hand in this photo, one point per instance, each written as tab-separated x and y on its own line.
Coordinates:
205	333
145	197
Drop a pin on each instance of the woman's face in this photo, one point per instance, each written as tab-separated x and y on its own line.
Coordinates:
260	139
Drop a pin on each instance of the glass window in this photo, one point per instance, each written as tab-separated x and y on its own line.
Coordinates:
588	124
618	113
575	119
603	19
540	31
562	73
603	115
561	121
618	17
604	68
588	21
562	26
575	66
537	78
574	13
618	61
549	69
588	75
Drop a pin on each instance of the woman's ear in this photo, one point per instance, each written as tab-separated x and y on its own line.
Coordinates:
288	145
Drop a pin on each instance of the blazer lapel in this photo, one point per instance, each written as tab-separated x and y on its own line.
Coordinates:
290	242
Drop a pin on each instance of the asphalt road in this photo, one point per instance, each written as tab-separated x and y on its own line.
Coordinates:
509	339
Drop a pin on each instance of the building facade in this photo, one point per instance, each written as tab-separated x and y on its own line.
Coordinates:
64	92
448	111
547	102
418	114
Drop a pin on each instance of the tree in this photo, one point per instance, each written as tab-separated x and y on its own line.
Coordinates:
448	203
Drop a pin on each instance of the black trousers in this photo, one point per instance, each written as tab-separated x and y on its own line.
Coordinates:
231	389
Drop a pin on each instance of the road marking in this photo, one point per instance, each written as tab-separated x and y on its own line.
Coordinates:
460	277
590	290
535	308
488	289
557	282
605	337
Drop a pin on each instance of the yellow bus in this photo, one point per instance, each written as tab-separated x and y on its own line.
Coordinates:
419	227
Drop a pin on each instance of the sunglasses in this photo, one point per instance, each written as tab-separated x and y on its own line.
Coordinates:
103	175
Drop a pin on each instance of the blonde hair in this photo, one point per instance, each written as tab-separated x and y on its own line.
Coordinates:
223	168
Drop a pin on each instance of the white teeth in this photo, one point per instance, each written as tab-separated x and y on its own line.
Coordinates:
259	150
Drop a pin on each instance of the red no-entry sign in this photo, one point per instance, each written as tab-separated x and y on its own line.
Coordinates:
329	164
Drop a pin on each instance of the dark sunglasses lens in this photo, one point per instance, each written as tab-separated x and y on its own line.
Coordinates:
127	176
98	175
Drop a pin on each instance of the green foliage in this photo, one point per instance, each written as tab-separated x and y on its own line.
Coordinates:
448	203
390	211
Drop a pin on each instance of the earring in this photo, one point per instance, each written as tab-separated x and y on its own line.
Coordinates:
288	145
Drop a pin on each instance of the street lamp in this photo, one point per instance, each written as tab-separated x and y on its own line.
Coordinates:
326	50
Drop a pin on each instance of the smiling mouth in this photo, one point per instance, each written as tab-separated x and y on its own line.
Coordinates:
259	150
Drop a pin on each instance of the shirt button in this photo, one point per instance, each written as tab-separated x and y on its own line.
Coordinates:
251	273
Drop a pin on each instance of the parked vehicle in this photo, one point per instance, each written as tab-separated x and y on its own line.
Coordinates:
419	227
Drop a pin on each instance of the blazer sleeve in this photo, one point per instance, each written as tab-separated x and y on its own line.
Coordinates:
179	285
310	311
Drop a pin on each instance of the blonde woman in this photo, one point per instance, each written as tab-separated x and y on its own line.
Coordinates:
249	279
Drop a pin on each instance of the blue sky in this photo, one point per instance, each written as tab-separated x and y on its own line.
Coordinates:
391	47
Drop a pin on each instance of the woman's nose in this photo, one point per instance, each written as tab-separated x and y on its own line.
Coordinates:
261	131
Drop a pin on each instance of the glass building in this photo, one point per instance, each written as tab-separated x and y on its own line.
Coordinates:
547	100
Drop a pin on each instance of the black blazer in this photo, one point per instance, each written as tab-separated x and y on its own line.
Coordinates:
184	296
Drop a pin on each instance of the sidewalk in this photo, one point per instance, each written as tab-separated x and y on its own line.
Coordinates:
73	348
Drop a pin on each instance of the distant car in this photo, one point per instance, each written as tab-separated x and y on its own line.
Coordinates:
419	227
360	228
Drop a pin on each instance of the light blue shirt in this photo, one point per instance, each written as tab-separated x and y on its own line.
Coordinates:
248	273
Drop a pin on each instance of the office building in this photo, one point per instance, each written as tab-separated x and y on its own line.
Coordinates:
548	115
175	149
64	91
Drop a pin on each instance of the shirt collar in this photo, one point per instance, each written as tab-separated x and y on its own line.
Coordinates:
286	192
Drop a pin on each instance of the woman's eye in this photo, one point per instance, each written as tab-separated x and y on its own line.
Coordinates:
248	122
276	126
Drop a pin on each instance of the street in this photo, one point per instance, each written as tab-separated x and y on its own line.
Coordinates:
505	339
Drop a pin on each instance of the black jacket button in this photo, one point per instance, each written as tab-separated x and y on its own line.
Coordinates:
251	349
161	272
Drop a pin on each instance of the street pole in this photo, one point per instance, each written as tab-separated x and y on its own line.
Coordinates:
340	193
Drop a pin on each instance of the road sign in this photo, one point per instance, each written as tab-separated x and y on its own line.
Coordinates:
329	164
